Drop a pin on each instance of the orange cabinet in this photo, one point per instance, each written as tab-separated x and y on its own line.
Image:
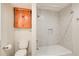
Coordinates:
22	18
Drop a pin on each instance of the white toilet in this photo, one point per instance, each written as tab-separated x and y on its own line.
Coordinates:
22	49
22	52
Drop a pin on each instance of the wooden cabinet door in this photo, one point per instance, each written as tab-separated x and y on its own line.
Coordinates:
22	18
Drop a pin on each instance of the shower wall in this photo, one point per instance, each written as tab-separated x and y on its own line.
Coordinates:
47	27
66	16
75	29
70	39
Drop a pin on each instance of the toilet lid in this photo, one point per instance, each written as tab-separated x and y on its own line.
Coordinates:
22	52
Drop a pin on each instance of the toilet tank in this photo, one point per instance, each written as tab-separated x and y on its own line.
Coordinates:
23	44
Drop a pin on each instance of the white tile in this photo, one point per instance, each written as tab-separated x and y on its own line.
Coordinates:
55	50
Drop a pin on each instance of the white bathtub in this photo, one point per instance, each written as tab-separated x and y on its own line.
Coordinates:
55	50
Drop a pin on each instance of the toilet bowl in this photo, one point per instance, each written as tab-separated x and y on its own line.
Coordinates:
23	46
22	52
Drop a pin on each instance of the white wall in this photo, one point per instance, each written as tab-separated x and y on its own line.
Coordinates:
0	28
22	35
66	28
47	20
75	29
22	5
7	29
34	24
0	23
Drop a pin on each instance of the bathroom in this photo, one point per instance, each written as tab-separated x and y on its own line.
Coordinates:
54	31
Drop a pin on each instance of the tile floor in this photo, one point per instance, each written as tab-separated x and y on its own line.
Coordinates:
55	50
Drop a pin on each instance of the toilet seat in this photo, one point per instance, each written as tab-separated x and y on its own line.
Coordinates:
22	52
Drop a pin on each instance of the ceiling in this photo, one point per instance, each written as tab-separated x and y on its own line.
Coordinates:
52	6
